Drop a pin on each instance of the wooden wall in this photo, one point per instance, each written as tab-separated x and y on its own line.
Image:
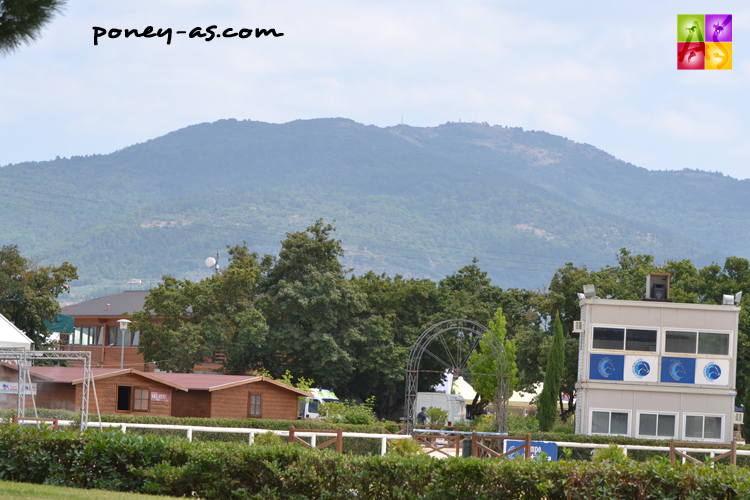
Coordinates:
109	357
106	390
48	394
275	401
191	404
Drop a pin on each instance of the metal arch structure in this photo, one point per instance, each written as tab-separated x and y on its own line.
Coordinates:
24	359
458	363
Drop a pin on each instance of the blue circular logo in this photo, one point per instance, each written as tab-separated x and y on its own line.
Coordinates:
641	368
712	372
677	370
606	367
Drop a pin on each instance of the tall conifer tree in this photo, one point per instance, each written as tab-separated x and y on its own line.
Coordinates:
547	405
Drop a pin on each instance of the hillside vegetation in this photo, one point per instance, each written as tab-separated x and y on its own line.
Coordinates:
415	201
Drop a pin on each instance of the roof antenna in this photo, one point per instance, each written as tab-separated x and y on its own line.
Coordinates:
214	262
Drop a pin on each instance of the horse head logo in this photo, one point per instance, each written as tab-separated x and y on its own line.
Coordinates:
641	368
712	372
606	367
678	370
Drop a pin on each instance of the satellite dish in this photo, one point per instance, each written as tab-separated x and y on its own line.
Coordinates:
210	262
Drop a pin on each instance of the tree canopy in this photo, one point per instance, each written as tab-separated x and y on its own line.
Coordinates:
301	314
22	21
29	292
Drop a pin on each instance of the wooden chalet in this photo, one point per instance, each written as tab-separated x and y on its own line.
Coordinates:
232	396
129	391
97	331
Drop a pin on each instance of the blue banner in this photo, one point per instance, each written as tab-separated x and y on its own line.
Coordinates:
606	366
678	370
537	448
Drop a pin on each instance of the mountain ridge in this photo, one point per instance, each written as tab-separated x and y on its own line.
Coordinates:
420	201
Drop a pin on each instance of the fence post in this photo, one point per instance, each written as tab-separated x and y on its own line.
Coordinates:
55	424
190	434
124	428
671	451
251	439
733	456
383	445
527	447
340	440
314	441
474	444
14	420
291	434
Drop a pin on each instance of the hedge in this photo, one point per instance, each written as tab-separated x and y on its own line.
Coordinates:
253	423
350	445
149	464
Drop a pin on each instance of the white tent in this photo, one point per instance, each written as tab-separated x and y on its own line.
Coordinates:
10	336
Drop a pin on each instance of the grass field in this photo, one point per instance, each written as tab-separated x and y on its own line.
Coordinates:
26	491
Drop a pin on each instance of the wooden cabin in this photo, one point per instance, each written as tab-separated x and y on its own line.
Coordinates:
97	331
232	396
118	391
129	391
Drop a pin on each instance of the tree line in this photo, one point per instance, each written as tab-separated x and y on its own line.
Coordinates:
303	313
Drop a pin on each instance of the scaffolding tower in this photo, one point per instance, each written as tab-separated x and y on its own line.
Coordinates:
24	358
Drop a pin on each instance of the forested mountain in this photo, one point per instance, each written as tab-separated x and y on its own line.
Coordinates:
415	201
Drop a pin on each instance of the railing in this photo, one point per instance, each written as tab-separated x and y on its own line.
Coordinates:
339	439
53	421
439	441
674	449
495	446
484	444
293	433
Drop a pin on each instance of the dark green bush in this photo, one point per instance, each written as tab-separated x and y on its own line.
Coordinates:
164	466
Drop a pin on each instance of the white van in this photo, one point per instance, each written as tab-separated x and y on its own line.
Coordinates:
454	404
309	407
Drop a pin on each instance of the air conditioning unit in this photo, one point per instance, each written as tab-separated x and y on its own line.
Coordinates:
578	327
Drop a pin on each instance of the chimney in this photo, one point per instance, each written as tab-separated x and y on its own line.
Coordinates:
107	307
657	287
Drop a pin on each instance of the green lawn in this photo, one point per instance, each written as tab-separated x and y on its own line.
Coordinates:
26	491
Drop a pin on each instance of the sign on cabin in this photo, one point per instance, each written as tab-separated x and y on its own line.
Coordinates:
159	397
7	387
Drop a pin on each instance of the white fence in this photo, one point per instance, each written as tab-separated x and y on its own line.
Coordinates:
190	429
635	447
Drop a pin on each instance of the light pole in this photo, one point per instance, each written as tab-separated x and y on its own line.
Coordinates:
124	328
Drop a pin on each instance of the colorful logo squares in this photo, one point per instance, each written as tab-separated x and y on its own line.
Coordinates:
704	41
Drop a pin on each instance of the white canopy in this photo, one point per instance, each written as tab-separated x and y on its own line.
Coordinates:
10	336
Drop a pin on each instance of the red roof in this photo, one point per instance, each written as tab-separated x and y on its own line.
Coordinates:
181	381
210	383
69	374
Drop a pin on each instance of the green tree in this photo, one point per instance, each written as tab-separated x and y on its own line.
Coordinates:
29	292
21	21
553	375
486	385
183	322
312	309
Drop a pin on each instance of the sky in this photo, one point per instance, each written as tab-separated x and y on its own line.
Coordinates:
602	73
